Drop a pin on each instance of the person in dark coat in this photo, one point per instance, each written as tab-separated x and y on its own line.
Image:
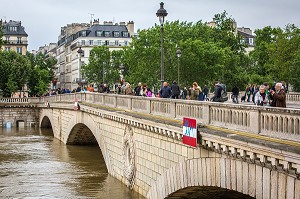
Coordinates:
165	91
235	94
279	97
175	90
217	93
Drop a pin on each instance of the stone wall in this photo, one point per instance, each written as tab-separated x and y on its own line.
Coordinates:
25	115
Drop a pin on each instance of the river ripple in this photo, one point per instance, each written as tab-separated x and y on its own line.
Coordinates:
33	164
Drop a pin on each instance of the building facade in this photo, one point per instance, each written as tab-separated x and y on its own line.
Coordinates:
14	36
86	37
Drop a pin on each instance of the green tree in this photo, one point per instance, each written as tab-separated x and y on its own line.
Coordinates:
42	73
208	54
276	53
15	70
1	36
103	66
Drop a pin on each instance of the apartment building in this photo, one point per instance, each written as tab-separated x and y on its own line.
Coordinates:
14	36
113	35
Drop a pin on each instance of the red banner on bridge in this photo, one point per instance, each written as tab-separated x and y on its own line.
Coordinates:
189	128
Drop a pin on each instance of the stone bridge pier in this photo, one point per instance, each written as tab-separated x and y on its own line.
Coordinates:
147	154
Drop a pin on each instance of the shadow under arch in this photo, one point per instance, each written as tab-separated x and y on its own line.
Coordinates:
46	123
207	192
81	135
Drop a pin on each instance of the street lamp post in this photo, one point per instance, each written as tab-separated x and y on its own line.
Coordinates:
103	71
178	53
161	14
80	53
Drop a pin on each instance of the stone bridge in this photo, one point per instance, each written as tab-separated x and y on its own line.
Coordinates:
251	150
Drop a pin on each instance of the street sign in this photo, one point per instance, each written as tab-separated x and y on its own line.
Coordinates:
189	128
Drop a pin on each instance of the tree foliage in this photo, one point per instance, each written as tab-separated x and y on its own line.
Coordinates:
276	54
15	70
103	65
42	73
208	54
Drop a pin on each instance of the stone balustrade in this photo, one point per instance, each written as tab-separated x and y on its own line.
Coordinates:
268	121
20	100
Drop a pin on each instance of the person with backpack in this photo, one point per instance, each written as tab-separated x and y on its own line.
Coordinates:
220	94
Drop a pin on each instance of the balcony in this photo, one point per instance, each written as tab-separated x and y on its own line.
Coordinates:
16	42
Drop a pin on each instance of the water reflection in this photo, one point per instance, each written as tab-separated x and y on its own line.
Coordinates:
34	164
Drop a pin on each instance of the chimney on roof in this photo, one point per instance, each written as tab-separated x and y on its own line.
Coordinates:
96	22
130	28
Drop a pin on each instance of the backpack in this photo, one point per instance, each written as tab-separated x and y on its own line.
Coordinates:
224	96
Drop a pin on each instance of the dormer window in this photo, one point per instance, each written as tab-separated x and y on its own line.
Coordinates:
116	34
98	33
83	33
13	28
125	34
106	33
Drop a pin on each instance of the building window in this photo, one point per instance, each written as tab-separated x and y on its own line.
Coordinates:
116	34
106	42
19	50
117	42
91	42
251	41
126	43
99	42
99	33
7	38
19	40
125	34
83	33
7	48
106	33
83	42
13	28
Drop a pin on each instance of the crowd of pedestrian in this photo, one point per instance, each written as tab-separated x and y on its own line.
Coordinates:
261	95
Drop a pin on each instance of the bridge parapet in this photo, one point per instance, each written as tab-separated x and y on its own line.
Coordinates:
269	121
20	100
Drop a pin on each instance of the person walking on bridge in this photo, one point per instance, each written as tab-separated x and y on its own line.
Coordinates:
165	91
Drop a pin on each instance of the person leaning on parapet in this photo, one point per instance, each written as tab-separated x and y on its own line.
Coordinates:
217	94
279	97
195	91
137	89
128	90
165	91
261	97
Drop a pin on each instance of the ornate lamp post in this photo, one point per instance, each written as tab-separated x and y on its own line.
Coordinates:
161	14
80	53
178	53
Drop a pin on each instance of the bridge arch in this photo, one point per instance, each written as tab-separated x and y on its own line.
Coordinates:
45	120
220	172
83	128
81	135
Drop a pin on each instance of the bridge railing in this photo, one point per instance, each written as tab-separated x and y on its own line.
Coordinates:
20	100
270	121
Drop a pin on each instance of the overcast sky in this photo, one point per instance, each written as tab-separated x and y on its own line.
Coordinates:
42	19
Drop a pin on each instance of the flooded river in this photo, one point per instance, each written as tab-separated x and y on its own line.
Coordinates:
33	164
